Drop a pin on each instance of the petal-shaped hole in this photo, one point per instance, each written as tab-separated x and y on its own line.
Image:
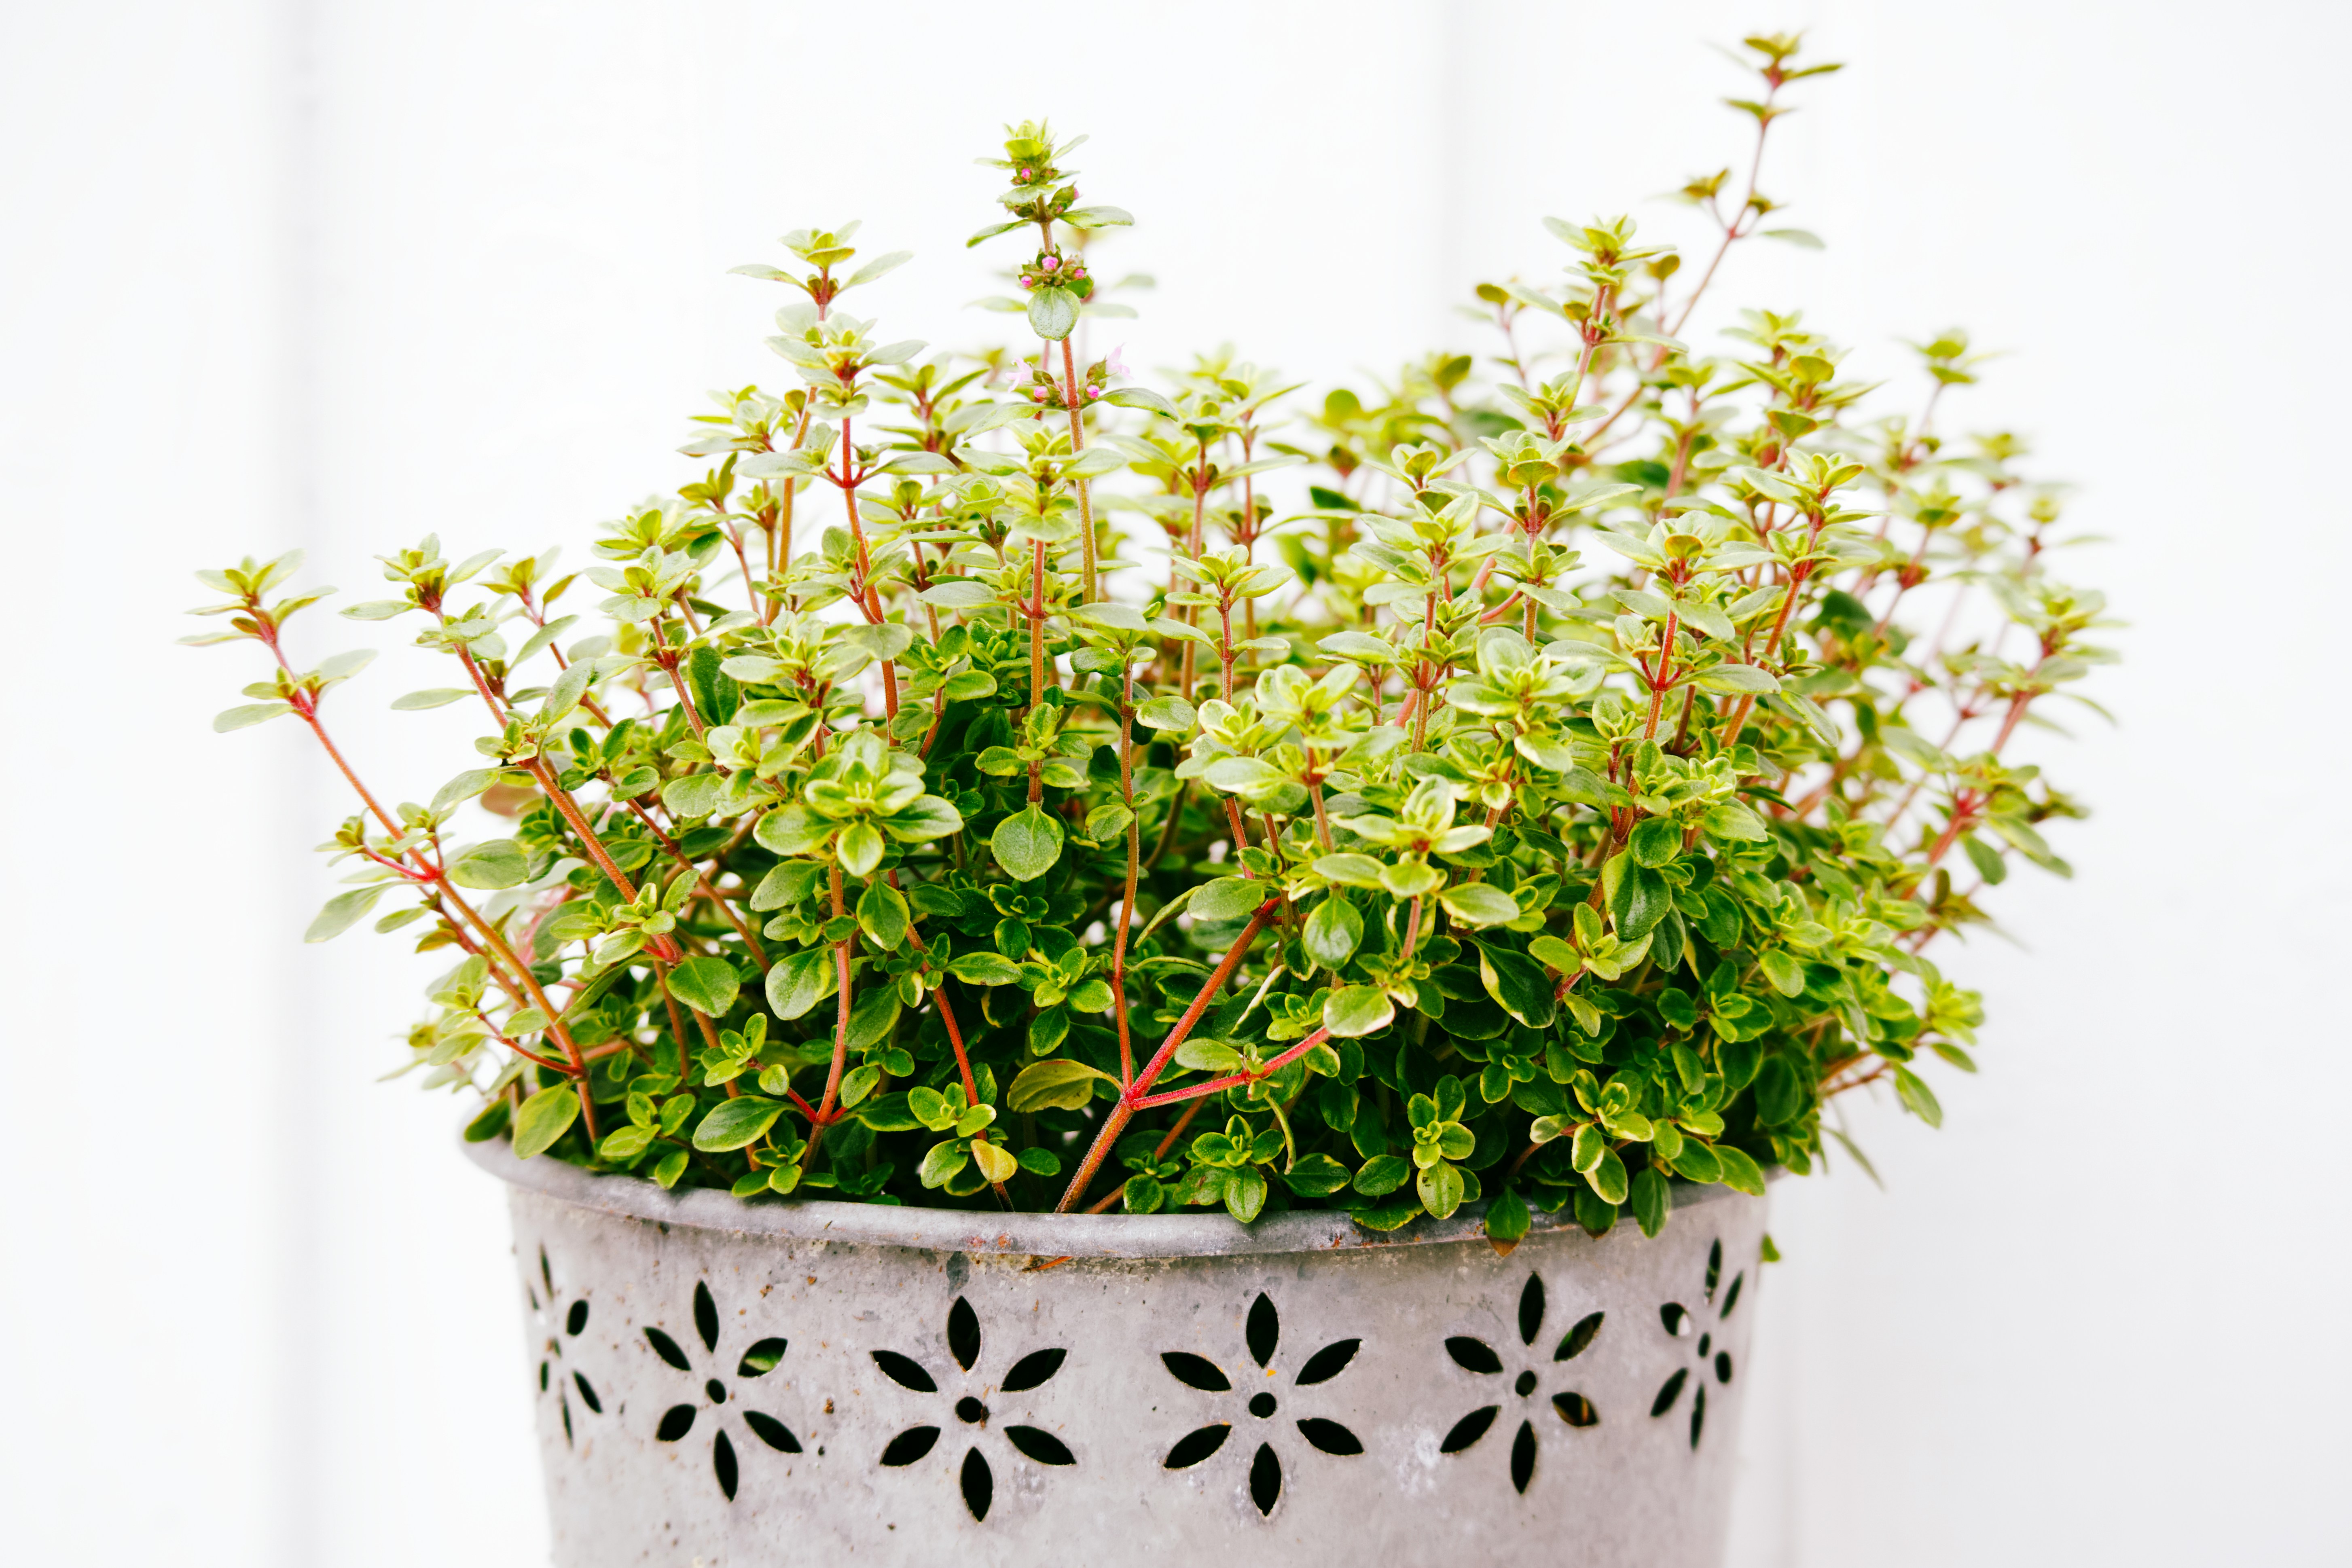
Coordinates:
1469	1429
667	1348
761	1359
1714	1267
565	1406
1576	1410
1676	1318
596	1406
1040	1444
1670	1391
1531	1310
576	1319
676	1423
979	1485
1731	1297
722	1464
1579	1340
1330	1436
706	1315
1194	1446
909	1446
1265	1475
905	1372
1523	1457
546	1273
1264	1329
1032	1370
543	1377
1723	1366
963	1337
1473	1356
1698	1413
771	1432
1199	1371
1329	1363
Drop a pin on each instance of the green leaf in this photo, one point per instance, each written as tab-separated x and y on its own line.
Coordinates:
861	848
1053	311
432	697
1027	844
799	981
1594	1213
882	915
342	910
1507	1220
1333	932
1913	1091
983	969
1352	870
490	1123
1382	1175
1738	678
1780	1097
1230	899
1479	904
253	713
497	863
544	1116
1356	1010
1655	841
1315	1176
462	788
1244	1193
1520	983
943	1161
1440	1189
1142	397
1652	1198
1739	1171
706	985
1167	713
697	795
1057	1085
737	1123
1787	975
1208	1056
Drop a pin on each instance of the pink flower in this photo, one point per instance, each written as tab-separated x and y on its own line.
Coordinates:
1027	281
1038	395
1024	174
1094	392
1051	262
1116	365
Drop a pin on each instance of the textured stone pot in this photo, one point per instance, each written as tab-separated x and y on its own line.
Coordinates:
742	1384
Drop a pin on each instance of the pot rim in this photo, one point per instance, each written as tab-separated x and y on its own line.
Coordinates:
1056	1235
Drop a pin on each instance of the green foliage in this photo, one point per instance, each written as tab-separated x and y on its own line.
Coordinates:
1548	793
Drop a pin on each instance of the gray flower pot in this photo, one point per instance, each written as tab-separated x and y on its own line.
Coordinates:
743	1384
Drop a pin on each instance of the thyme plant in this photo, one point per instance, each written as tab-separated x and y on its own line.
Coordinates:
975	788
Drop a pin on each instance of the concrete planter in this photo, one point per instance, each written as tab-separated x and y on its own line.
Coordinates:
743	1384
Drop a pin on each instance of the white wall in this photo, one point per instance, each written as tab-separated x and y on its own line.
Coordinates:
333	274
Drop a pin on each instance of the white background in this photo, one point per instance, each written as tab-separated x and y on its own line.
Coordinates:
334	275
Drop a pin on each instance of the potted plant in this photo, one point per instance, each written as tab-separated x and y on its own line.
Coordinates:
1032	997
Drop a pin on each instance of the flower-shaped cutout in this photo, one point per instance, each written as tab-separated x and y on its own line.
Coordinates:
1262	1333
759	1359
1477	1357
1681	1322
977	1481
561	1324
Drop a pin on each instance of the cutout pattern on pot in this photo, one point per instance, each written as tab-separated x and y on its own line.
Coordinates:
1262	1334
976	1480
1476	1356
1714	1362
678	1420
555	1375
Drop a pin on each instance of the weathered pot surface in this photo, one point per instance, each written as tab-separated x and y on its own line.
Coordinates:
742	1384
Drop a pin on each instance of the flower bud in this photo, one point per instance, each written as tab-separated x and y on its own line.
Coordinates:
1051	262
